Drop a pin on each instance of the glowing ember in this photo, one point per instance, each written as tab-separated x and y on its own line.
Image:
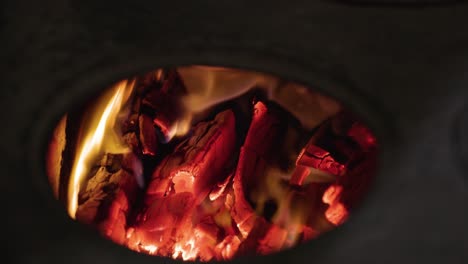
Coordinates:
209	163
336	212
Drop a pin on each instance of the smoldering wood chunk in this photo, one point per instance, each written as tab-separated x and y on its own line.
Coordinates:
299	210
317	164
148	136
357	146
104	203
262	131
332	149
200	161
259	149
180	182
354	144
253	158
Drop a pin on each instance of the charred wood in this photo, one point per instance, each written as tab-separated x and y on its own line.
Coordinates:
106	199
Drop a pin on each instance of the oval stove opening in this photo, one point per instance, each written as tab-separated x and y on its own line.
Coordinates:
210	163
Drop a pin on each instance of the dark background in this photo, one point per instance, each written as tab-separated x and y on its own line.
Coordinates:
404	69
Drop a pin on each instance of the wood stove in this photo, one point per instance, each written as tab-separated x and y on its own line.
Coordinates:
400	69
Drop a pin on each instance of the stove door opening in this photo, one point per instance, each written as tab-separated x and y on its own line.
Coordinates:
210	163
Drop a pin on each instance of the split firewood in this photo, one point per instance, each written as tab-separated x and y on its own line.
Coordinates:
252	163
106	201
181	182
199	161
315	162
357	145
256	174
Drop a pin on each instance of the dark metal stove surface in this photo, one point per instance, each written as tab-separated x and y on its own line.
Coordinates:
404	69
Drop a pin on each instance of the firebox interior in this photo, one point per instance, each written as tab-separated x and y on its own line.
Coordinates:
210	163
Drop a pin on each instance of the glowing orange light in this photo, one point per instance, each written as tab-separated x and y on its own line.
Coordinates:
196	188
96	140
336	212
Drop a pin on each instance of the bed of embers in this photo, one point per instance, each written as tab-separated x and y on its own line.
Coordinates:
204	163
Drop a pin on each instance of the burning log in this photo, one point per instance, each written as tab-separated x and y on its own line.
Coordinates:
104	203
181	181
252	164
199	161
255	171
357	147
152	116
317	158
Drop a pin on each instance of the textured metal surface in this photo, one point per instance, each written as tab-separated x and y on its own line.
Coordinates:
461	140
404	70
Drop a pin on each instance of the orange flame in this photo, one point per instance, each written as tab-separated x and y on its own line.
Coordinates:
97	138
336	212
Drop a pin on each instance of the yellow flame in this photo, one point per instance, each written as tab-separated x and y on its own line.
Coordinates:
336	213
152	249
188	250
92	144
